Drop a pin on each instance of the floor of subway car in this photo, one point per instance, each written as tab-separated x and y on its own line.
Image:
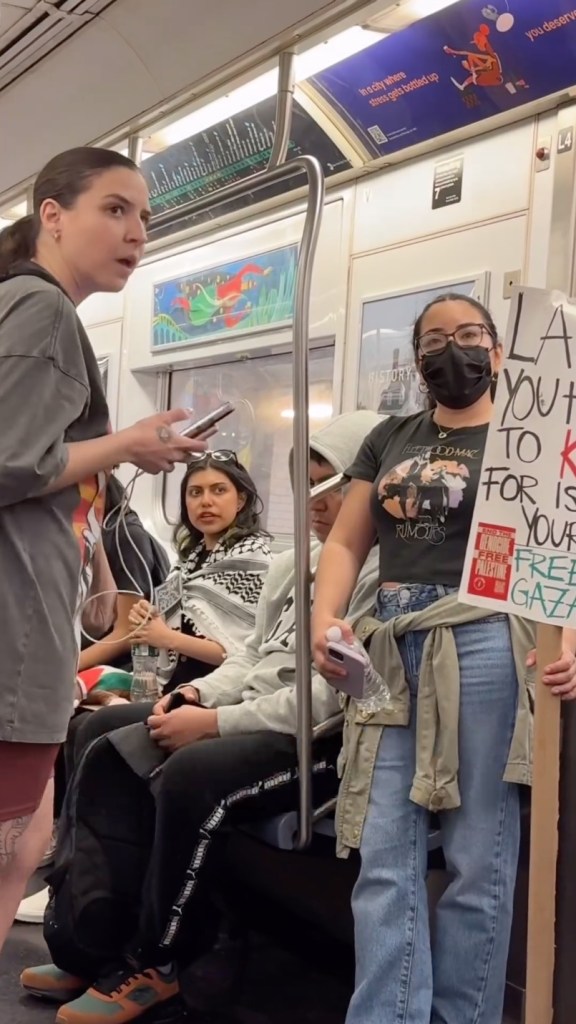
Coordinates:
279	987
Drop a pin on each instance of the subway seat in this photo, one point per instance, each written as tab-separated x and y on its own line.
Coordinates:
282	831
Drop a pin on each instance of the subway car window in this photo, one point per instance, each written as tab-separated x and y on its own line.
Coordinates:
260	429
387	379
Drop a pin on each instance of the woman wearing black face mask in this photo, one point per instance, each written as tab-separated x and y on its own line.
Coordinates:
455	736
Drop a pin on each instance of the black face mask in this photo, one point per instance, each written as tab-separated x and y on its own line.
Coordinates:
457	377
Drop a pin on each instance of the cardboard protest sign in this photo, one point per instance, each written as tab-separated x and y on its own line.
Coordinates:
521	556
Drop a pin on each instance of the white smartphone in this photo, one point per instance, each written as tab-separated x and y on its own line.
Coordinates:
352	661
200	426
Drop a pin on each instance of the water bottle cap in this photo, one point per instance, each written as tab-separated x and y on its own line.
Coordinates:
334	633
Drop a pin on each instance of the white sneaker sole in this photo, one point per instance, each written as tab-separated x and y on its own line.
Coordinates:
24	918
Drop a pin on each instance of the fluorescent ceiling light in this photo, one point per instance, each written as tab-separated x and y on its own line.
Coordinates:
325	55
401	15
320	411
19	210
422	8
233	103
308	63
14	213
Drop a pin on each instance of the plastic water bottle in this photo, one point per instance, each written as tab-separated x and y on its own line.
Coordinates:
144	673
376	691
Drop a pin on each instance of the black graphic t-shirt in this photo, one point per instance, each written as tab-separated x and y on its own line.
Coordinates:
423	496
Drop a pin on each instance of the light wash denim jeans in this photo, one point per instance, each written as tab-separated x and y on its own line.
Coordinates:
402	977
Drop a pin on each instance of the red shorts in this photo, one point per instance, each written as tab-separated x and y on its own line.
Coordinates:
25	769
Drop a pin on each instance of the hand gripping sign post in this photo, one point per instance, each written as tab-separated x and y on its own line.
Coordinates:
521	559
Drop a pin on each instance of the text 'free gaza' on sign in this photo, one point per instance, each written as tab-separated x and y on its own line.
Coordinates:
521	556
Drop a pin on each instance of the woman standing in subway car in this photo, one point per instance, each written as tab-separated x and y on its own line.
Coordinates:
86	234
464	745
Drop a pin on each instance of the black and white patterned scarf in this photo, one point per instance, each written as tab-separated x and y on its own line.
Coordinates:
220	590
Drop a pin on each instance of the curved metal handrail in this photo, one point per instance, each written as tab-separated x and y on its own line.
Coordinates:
327	486
301	497
284	108
312	168
291	169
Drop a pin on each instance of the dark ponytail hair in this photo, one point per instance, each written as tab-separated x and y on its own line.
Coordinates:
454	297
63	179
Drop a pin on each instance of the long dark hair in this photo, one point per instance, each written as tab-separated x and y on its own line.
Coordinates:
63	179
454	297
247	522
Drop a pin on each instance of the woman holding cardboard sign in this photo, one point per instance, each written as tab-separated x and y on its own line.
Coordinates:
465	745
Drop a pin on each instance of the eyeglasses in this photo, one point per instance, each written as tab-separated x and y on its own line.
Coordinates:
225	455
465	336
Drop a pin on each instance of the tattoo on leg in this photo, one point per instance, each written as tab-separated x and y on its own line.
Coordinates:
10	833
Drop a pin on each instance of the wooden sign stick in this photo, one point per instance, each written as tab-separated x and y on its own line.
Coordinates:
543	836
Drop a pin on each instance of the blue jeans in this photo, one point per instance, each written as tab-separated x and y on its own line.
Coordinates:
457	977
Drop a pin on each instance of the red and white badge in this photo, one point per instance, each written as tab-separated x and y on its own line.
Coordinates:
492	562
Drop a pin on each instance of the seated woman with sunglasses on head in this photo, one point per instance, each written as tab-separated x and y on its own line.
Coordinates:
223	559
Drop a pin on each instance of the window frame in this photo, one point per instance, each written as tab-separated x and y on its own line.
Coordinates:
264	351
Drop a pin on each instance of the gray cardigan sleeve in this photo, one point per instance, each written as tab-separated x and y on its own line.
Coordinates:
41	391
277	711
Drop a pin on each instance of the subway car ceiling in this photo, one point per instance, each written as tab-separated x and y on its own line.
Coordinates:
384	84
157	54
405	87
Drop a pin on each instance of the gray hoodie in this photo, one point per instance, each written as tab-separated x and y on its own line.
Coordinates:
255	690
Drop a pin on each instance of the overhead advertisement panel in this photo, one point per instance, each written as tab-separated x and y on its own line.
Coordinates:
453	69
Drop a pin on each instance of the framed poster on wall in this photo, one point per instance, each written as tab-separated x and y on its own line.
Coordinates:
388	382
244	295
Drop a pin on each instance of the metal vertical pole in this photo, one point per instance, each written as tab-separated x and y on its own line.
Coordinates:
301	503
284	106
135	145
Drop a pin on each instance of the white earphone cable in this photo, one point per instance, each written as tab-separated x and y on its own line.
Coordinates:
123	508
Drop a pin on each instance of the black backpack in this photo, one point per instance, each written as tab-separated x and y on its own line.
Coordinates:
105	838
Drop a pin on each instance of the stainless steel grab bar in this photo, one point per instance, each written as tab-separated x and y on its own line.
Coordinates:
291	169
329	727
324	809
312	168
284	108
301	497
327	486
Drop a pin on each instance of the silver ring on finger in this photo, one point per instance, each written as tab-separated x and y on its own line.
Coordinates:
164	434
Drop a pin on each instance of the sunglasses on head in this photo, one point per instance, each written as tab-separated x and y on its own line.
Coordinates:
224	455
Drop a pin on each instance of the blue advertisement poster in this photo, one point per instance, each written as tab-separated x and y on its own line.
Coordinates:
455	68
237	296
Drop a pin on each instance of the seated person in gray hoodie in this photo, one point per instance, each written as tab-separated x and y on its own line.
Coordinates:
244	768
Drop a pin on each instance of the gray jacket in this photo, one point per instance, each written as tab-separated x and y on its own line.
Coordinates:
50	394
435	784
256	689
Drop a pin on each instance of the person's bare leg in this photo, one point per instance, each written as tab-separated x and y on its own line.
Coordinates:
23	842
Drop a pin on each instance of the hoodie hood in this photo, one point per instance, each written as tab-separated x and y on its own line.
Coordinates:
339	441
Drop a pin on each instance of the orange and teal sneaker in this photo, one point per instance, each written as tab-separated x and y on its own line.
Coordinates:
48	982
123	996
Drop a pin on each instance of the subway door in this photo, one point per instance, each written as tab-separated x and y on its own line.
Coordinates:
388	290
